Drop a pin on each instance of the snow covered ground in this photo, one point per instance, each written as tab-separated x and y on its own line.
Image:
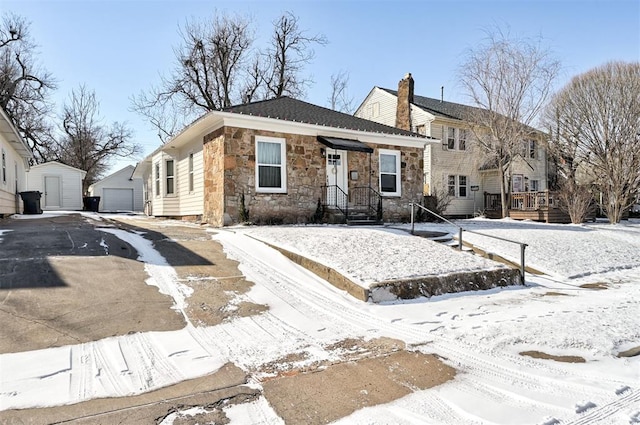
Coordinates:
481	334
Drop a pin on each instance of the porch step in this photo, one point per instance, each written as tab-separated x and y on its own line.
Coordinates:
363	222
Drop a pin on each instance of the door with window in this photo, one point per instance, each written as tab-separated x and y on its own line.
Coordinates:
52	192
337	187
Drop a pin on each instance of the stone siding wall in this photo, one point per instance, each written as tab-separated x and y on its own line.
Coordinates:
396	208
229	170
213	171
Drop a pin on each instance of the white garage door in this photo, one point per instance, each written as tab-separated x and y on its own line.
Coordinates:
117	200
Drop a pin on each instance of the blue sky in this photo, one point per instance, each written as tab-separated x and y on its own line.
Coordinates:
118	47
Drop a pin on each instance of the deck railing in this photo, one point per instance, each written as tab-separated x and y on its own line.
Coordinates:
524	201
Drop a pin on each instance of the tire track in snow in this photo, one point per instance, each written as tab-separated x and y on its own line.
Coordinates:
329	307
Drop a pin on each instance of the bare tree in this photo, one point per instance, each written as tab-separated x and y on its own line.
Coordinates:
509	80
340	99
24	85
217	66
209	73
595	128
289	52
86	142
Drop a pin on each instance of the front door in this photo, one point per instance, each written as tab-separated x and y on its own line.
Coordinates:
337	187
52	192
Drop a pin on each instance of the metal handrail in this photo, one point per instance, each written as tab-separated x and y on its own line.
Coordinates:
341	204
523	246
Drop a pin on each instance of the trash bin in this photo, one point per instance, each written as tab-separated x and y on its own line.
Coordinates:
31	202
91	203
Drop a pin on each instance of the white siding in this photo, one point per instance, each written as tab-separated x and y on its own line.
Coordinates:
121	179
9	201
70	183
191	202
380	107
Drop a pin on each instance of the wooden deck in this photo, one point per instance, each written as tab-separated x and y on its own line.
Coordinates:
536	206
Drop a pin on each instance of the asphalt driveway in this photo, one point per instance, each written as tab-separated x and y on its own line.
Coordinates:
63	281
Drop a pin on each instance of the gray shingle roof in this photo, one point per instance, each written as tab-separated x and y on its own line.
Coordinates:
288	109
442	108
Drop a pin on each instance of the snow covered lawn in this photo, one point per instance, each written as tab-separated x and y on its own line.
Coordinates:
480	334
368	255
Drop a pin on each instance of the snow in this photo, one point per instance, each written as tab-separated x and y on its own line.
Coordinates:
478	333
403	257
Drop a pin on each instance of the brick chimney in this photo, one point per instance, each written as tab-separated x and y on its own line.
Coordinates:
405	99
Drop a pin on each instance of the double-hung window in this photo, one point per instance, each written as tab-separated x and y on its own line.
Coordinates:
457	186
271	165
157	178
4	167
170	176
451	138
390	182
191	172
462	140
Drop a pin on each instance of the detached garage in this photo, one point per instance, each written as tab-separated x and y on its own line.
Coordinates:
60	185
119	192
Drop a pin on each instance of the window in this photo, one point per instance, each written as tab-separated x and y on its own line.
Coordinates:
517	183
456	139
170	176
15	175
529	148
4	167
452	185
271	166
191	172
389	172
535	185
462	141
462	186
157	178
375	110
451	138
457	186
532	149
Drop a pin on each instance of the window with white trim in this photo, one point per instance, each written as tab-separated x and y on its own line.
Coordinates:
271	165
390	181
4	167
157	178
457	186
529	149
451	138
456	139
191	172
535	185
170	176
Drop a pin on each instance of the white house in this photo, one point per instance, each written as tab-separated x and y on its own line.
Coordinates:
60	185
119	191
456	166
15	157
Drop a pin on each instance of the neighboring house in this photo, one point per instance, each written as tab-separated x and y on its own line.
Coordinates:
119	191
284	158
456	166
60	185
15	155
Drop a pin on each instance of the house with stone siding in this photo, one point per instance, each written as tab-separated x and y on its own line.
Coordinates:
456	167
284	161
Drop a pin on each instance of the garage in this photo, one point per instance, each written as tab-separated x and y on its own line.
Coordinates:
119	191
117	199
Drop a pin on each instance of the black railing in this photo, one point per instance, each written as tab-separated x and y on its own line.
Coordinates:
368	199
360	200
333	196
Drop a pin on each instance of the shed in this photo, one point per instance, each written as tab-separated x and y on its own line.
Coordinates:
119	191
60	185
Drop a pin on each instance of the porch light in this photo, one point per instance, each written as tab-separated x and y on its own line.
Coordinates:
323	152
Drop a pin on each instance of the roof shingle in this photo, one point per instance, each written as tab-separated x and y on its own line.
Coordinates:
288	109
